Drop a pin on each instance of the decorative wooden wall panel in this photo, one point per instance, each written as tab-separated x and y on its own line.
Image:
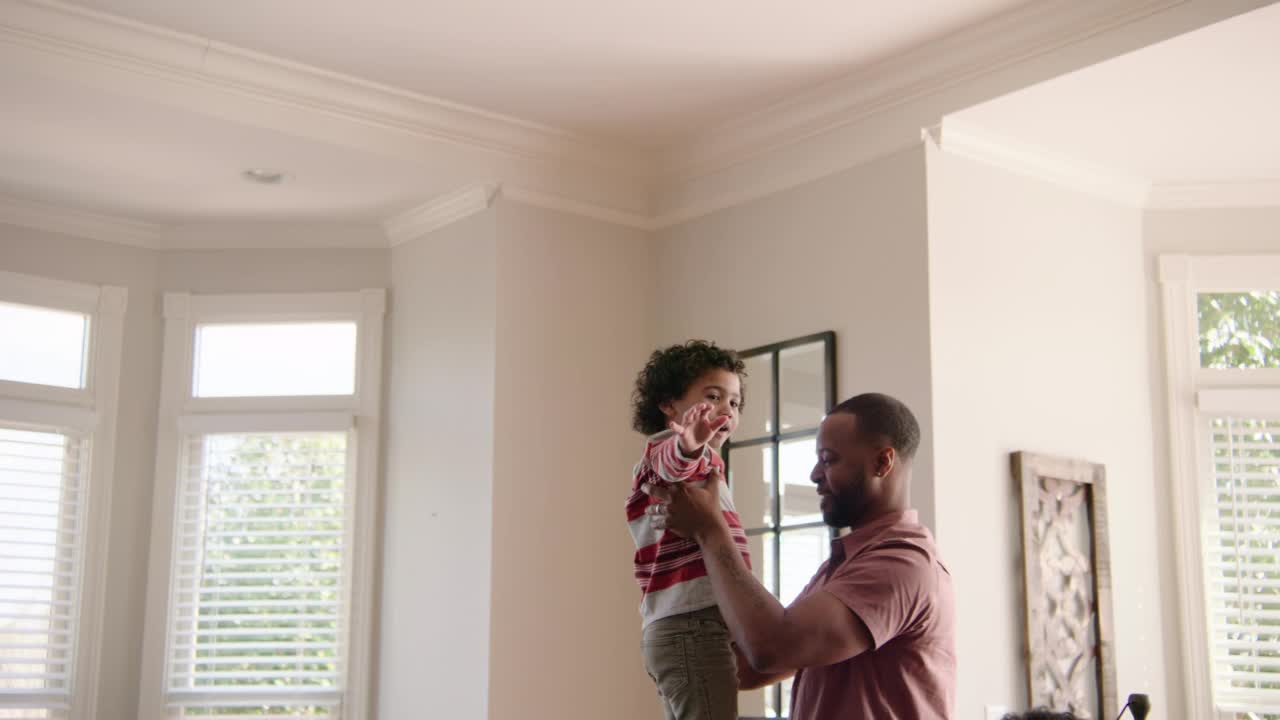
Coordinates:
1067	572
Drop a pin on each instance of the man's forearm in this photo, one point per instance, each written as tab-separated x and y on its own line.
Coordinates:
751	679
753	615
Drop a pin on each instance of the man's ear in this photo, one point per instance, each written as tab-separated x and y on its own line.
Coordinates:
886	459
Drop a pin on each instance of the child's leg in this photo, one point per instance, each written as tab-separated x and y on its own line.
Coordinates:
690	660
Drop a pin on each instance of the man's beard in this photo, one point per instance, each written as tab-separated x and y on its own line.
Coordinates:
843	511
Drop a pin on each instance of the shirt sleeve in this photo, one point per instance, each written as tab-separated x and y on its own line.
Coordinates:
889	588
664	457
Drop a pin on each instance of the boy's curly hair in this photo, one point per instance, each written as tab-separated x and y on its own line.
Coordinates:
668	375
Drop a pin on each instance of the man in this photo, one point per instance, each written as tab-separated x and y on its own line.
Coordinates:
873	635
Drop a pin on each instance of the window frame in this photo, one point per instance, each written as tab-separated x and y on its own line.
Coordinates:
1194	393
775	439
183	414
91	411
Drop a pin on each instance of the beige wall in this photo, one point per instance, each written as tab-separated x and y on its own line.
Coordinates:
1214	231
574	310
1039	344
845	253
438	514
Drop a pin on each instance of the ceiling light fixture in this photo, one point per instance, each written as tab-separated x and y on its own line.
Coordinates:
264	176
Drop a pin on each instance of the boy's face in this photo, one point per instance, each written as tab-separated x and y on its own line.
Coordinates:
719	388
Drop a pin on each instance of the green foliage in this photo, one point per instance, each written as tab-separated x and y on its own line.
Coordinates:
1239	330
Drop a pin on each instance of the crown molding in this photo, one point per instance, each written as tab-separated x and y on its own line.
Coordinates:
878	112
80	223
1187	195
574	207
459	204
438	212
403	227
1001	41
84	35
958	139
275	234
961	140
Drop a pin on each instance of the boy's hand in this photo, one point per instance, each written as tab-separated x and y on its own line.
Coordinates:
696	427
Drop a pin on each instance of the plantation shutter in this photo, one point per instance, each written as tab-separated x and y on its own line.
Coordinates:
1243	564
260	576
42	504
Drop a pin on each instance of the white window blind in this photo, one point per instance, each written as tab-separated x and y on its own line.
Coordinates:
1243	564
260	577
42	504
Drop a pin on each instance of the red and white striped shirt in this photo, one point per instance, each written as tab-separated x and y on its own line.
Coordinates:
669	568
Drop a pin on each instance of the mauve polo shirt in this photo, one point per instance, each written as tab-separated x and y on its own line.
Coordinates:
886	572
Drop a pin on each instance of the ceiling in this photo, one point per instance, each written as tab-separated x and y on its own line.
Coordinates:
644	72
134	118
1201	108
72	144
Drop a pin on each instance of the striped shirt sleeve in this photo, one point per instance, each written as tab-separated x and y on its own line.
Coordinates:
669	463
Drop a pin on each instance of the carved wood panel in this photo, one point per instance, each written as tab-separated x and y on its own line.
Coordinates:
1070	659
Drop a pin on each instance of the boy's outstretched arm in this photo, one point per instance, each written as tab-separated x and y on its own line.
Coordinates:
679	456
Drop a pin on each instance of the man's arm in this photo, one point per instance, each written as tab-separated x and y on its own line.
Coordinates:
816	630
751	679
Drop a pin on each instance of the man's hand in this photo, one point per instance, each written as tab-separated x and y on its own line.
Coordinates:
689	511
696	427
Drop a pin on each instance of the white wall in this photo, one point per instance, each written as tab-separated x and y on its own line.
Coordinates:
438	514
573	328
89	261
1210	231
844	253
507	587
1039	344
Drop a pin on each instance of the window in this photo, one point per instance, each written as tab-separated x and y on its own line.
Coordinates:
1239	330
789	388
268	441
53	350
275	359
58	390
1223	330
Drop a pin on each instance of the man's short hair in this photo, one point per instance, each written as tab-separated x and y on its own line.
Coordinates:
882	416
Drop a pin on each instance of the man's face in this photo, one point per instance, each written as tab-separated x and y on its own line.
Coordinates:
844	472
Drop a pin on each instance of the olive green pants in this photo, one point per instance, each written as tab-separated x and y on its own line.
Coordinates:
690	660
